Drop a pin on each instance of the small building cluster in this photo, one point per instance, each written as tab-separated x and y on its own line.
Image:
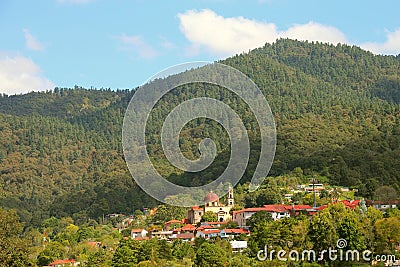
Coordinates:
191	227
63	263
212	203
277	212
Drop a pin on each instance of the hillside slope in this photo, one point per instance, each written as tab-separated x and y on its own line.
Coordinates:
336	110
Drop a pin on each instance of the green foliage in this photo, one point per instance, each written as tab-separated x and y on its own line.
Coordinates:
166	213
98	259
209	216
387	234
210	255
13	248
182	250
336	222
385	193
259	218
54	250
336	110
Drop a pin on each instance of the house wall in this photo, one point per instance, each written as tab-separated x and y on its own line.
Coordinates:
194	216
221	212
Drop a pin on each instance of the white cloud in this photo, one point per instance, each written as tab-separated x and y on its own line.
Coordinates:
313	31
19	74
137	43
31	42
226	36
390	46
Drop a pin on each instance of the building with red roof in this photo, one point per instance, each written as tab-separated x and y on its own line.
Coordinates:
383	205
188	228
138	233
212	203
64	263
208	233
352	204
277	212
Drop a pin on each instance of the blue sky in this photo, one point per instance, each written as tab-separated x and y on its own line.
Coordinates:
120	44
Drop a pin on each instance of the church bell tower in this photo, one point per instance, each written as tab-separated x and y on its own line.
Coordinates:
229	197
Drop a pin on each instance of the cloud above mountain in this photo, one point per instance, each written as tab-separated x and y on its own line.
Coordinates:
19	74
209	31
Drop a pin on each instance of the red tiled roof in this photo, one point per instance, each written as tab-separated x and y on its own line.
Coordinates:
211	197
275	208
348	204
269	208
237	231
379	202
204	227
249	210
61	262
211	231
298	207
188	227
172	222
137	230
196	208
185	236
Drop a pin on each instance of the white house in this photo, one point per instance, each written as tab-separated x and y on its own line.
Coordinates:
277	212
238	246
138	233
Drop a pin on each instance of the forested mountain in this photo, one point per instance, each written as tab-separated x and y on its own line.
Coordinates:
336	108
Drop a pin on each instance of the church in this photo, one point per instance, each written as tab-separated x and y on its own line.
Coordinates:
211	203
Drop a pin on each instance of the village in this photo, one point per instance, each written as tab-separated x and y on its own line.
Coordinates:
223	220
232	224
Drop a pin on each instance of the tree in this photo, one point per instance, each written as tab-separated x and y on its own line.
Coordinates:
166	213
13	248
54	250
387	234
128	254
324	193
335	194
334	222
210	255
229	225
268	196
385	193
182	250
368	222
98	259
393	213
260	217
209	216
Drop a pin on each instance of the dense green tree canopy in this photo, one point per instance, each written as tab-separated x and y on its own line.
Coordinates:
336	110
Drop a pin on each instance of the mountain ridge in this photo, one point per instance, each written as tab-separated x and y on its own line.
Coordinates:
336	110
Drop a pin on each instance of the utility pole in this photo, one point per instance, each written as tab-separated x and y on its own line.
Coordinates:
313	188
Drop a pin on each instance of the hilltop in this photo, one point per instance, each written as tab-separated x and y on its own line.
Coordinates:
336	109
